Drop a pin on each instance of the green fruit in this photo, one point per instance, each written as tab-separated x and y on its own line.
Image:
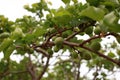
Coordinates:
85	55
56	49
64	34
95	46
50	51
97	30
74	55
89	30
4	35
58	40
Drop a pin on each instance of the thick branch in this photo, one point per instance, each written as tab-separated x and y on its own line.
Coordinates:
30	70
71	44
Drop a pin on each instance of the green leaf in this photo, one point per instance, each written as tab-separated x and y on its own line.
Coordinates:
28	38
111	54
61	11
4	35
111	21
93	2
111	4
62	17
66	1
108	65
118	39
5	44
75	1
39	31
93	13
8	51
17	33
62	20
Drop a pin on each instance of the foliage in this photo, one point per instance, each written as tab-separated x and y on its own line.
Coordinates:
53	46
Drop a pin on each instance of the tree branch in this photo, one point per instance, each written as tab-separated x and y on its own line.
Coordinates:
65	29
95	37
44	69
31	69
12	72
42	51
102	55
96	73
78	71
72	35
98	53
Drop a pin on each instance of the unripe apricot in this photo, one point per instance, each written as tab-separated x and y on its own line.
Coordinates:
89	30
58	41
95	46
97	30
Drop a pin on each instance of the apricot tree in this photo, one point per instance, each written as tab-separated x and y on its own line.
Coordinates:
56	45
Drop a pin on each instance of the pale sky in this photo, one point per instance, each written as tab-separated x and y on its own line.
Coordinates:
14	8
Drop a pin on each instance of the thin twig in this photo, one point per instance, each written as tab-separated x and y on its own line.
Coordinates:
65	29
72	35
78	71
95	74
95	37
44	69
42	51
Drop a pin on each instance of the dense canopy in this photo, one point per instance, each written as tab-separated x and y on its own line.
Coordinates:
63	43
